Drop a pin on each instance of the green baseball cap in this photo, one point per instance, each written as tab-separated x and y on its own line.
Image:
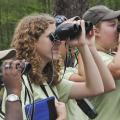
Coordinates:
100	13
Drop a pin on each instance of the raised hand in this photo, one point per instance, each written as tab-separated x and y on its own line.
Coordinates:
12	73
81	39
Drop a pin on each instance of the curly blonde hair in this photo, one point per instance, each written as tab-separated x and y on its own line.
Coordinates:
26	34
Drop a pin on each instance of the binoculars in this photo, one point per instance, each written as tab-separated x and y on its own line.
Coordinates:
69	31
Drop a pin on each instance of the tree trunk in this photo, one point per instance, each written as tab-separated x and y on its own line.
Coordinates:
70	8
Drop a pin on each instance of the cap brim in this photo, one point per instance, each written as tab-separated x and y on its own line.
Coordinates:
112	15
7	54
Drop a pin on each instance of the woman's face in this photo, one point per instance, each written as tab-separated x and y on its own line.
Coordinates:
45	47
107	33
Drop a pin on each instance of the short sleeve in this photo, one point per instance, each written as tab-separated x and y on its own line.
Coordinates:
64	88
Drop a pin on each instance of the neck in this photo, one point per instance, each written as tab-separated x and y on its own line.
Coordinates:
44	63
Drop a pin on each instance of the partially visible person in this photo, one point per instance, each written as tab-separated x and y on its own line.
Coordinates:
4	54
78	75
13	102
106	38
11	107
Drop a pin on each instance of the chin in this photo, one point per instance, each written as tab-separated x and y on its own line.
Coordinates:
56	57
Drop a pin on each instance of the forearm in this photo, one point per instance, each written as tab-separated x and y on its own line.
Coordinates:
13	111
79	76
81	70
13	108
107	78
93	77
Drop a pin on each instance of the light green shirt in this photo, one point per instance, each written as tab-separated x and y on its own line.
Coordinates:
62	91
75	113
107	105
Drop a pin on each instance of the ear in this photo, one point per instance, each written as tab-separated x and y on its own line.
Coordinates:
96	31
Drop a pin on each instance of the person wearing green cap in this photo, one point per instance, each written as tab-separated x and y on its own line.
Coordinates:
106	39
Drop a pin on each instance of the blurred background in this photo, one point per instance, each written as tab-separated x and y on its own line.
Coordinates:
13	10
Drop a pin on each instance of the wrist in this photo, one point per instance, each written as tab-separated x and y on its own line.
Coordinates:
83	48
91	44
61	118
13	98
16	92
92	47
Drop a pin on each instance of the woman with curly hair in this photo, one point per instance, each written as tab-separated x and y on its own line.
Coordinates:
32	43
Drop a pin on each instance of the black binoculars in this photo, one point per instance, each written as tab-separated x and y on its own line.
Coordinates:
69	31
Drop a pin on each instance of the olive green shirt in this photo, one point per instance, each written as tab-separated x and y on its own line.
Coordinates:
107	105
75	113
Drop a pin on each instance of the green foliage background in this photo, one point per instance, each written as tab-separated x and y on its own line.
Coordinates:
113	4
13	10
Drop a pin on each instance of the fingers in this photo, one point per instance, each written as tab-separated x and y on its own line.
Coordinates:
11	66
7	64
60	105
82	24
